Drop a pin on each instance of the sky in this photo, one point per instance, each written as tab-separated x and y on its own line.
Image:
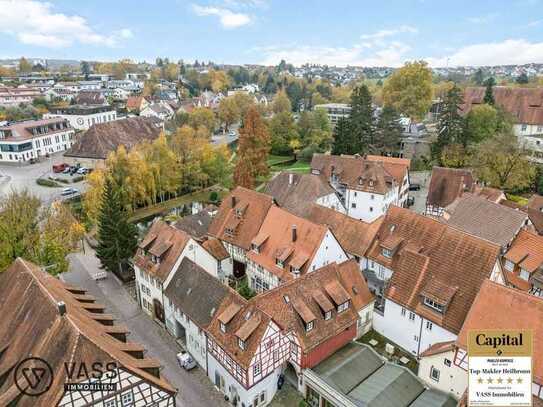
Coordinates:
333	32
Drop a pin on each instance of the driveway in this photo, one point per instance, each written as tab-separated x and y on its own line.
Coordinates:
21	176
194	388
422	178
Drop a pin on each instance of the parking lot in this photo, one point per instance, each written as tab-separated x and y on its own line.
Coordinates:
21	176
423	179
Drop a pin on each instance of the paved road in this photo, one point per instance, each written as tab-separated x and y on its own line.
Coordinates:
422	178
194	388
20	176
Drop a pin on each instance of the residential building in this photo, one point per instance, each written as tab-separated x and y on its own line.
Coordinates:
357	376
354	236
297	192
90	85
158	257
425	275
523	263
525	105
82	117
285	330
496	307
480	217
136	104
10	96
90	98
447	184
535	212
63	325
32	139
335	111
238	221
399	169
94	145
365	187
59	93
287	247
197	225
192	298
161	111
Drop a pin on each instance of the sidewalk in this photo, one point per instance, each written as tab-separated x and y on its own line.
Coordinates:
194	388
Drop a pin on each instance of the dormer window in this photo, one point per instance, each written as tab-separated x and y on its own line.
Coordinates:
155	259
229	232
371	183
279	263
434	305
255	248
223	327
241	344
295	270
309	326
509	265
387	253
342	307
239	213
327	315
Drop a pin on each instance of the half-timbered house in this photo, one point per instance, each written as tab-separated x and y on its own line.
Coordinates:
64	331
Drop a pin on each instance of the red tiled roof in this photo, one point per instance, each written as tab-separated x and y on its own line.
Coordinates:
447	184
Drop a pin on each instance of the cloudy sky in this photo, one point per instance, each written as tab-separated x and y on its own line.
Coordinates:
339	32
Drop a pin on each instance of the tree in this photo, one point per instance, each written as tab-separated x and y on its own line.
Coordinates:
478	77
229	112
489	93
361	120
243	102
502	164
455	156
481	123
450	126
254	146
203	117
24	65
282	131
281	103
388	131
85	69
295	93
409	90
343	137
116	236
522	79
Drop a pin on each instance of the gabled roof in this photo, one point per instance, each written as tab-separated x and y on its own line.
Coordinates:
215	248
485	219
526	251
355	236
447	184
295	192
354	171
164	241
253	207
435	259
438	348
103	138
535	212
134	102
32	325
279	225
196	292
197	225
499	307
397	167
524	104
90	98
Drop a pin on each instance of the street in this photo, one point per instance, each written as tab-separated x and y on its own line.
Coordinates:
194	388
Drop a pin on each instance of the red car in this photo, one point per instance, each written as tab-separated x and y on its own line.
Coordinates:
59	167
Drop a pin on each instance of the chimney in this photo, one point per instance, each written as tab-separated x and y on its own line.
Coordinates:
233	201
290	178
61	308
294	235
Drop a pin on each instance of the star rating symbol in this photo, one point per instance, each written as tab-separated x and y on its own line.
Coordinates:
489	380
509	380
480	380
500	380
519	380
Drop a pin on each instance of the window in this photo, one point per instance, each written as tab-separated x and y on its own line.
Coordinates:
387	253
403	312
429	325
524	127
524	274
257	368
309	326
371	209
353	205
411	316
416	338
279	263
343	307
255	248
372	197
432	304
509	265
127	399
327	315
241	344
434	374
539	129
110	403
355	193
223	327
447	362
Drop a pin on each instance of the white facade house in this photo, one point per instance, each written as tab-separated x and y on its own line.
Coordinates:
82	117
10	96
335	111
22	141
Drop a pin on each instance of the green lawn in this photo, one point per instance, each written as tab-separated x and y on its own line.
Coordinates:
298	166
518	199
278	159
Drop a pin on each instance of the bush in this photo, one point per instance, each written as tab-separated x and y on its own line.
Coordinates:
307	153
78	179
245	291
47	182
213	196
63	180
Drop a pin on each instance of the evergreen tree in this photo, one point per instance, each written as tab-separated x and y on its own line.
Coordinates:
388	131
116	236
343	138
522	79
450	122
479	77
489	93
361	120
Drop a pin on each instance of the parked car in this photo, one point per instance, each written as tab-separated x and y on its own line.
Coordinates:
69	191
67	170
60	167
186	361
232	133
83	171
414	187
